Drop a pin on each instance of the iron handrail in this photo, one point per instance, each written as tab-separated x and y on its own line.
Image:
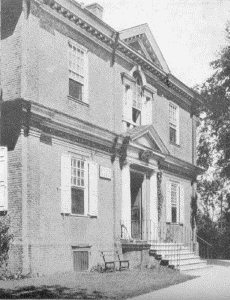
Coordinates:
203	240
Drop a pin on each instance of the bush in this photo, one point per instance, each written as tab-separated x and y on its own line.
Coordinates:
5	240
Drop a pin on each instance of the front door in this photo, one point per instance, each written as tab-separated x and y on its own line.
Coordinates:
136	180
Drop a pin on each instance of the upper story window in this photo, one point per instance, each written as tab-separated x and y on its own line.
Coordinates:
78	71
137	103
137	99
173	123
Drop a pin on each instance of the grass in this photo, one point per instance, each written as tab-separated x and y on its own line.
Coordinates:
111	285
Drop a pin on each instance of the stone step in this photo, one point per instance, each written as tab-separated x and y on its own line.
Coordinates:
183	262
190	267
172	252
181	256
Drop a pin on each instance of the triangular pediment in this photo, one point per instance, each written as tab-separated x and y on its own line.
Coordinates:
147	137
147	141
141	39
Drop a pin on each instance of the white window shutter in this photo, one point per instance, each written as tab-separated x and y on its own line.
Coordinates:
125	104
168	203
86	78
65	184
178	126
3	179
93	189
181	206
146	112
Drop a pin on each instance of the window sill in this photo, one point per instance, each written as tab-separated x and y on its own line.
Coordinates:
170	223
83	216
174	144
77	101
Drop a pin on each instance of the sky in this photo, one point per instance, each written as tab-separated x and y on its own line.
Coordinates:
189	32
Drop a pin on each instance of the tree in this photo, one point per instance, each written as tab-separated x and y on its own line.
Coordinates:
214	151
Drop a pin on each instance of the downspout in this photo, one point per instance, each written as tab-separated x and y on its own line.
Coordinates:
194	230
115	225
1	123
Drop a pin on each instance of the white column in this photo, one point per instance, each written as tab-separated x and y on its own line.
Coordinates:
153	207
126	202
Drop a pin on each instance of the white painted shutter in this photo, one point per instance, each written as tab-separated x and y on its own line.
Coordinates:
168	203
146	112
65	184
86	77
93	189
3	179
178	127
129	104
182	212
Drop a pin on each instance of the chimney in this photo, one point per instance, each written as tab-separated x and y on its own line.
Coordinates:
96	9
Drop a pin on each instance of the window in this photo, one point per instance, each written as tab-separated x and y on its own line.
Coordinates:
137	99
173	123
80	261
137	102
78	72
174	203
79	186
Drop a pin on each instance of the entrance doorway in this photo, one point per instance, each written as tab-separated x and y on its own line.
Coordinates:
136	181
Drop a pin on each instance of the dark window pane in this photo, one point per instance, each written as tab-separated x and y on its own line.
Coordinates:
77	201
172	134
75	89
174	219
136	116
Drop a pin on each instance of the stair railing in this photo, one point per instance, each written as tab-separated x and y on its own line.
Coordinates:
205	249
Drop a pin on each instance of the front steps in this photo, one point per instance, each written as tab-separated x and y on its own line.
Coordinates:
177	256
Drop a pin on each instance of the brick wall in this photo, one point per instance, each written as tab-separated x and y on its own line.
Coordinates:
15	203
11	48
51	235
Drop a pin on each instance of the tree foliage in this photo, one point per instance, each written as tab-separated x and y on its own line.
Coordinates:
214	151
5	239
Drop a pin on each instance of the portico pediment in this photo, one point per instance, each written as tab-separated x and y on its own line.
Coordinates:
147	137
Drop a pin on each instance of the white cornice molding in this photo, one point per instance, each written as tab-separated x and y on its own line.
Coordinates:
122	48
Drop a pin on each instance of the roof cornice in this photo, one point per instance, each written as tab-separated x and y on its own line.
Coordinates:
166	79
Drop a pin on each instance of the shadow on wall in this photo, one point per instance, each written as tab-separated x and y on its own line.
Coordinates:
11	11
51	292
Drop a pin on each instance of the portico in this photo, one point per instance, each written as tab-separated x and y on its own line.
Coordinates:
139	205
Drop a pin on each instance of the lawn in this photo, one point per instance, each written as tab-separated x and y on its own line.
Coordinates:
92	285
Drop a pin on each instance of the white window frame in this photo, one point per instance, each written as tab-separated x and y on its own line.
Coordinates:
79	75
174	121
78	181
69	180
177	202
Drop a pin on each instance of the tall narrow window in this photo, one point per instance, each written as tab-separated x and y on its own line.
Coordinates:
173	123
137	99
174	201
78	184
77	72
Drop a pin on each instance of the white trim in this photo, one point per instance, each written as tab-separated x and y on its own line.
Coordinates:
176	126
